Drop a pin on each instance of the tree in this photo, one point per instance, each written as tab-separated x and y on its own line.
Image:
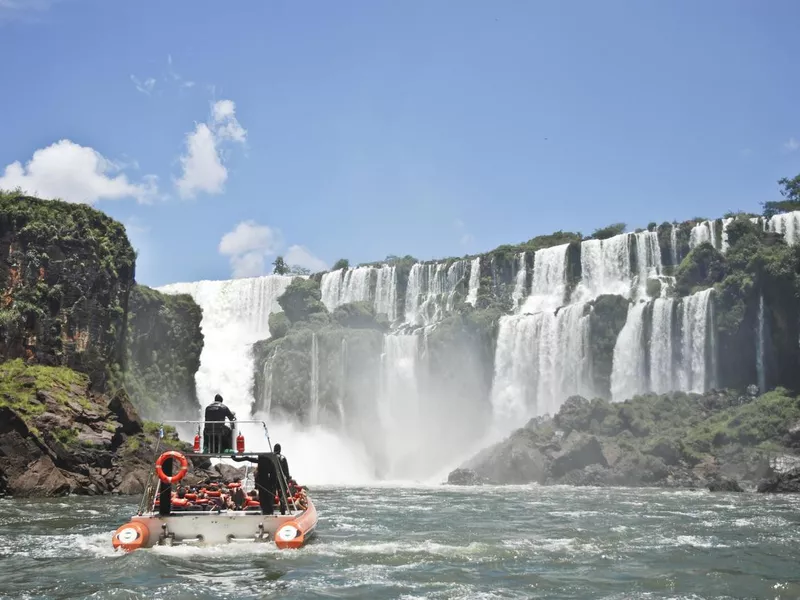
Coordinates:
791	201
280	266
342	263
298	270
610	231
301	299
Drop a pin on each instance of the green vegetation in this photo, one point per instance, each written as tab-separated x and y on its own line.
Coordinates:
65	279
606	320
791	194
163	352
609	231
301	300
281	268
19	384
342	263
702	268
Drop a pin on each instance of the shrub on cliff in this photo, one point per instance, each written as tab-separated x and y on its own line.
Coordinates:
301	300
278	325
791	194
359	315
703	267
608	231
606	320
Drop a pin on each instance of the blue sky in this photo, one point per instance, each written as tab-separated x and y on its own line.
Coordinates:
223	134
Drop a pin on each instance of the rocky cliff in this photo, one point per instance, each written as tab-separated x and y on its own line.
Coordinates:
76	334
162	353
65	273
58	436
673	440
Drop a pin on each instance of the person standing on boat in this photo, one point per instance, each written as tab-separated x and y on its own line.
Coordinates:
217	436
283	462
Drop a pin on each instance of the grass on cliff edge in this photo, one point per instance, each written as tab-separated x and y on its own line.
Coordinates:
19	383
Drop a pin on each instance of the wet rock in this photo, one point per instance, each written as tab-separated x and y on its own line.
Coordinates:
781	483
463	477
132	483
41	478
228	473
724	485
125	413
522	458
578	451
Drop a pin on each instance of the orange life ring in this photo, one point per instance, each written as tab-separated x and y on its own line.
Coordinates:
184	466
131	536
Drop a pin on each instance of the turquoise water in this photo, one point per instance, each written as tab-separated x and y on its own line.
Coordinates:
430	542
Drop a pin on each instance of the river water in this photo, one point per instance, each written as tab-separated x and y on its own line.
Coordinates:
430	542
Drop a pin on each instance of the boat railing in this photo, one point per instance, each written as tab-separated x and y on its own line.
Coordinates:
219	447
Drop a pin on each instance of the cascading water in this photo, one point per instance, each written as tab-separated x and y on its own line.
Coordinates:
342	397
474	280
788	225
386	292
685	367
235	315
648	258
606	268
314	400
520	279
673	244
628	375
725	223
762	378
430	292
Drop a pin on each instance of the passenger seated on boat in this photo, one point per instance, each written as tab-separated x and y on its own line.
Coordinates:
217	436
238	498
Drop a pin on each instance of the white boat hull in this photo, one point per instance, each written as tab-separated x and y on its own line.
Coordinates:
209	528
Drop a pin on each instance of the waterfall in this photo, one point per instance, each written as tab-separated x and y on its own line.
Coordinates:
331	288
266	398
661	375
541	359
678	347
695	313
549	282
340	401
673	244
648	259
762	379
628	377
314	400
386	292
606	268
725	223
788	225
520	279
431	291
235	315
400	409
474	280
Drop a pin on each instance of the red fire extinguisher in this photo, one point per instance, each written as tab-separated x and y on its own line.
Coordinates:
240	443
197	443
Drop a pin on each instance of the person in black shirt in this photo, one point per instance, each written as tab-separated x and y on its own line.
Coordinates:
284	463
217	436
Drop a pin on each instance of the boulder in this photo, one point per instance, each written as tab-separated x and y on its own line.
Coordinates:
781	483
228	473
724	485
463	477
132	483
578	451
126	414
41	478
520	459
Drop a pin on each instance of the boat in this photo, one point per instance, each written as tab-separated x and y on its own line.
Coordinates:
169	518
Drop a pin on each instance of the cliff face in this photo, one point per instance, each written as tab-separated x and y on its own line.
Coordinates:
65	273
58	437
164	342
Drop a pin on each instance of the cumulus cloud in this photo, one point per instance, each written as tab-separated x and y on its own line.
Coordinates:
75	173
202	164
300	256
250	246
792	145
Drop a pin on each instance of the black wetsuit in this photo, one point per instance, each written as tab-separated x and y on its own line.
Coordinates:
284	466
217	437
267	483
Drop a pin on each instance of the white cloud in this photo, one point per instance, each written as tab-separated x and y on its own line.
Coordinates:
300	256
202	166
792	145
248	246
19	8
146	86
75	173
